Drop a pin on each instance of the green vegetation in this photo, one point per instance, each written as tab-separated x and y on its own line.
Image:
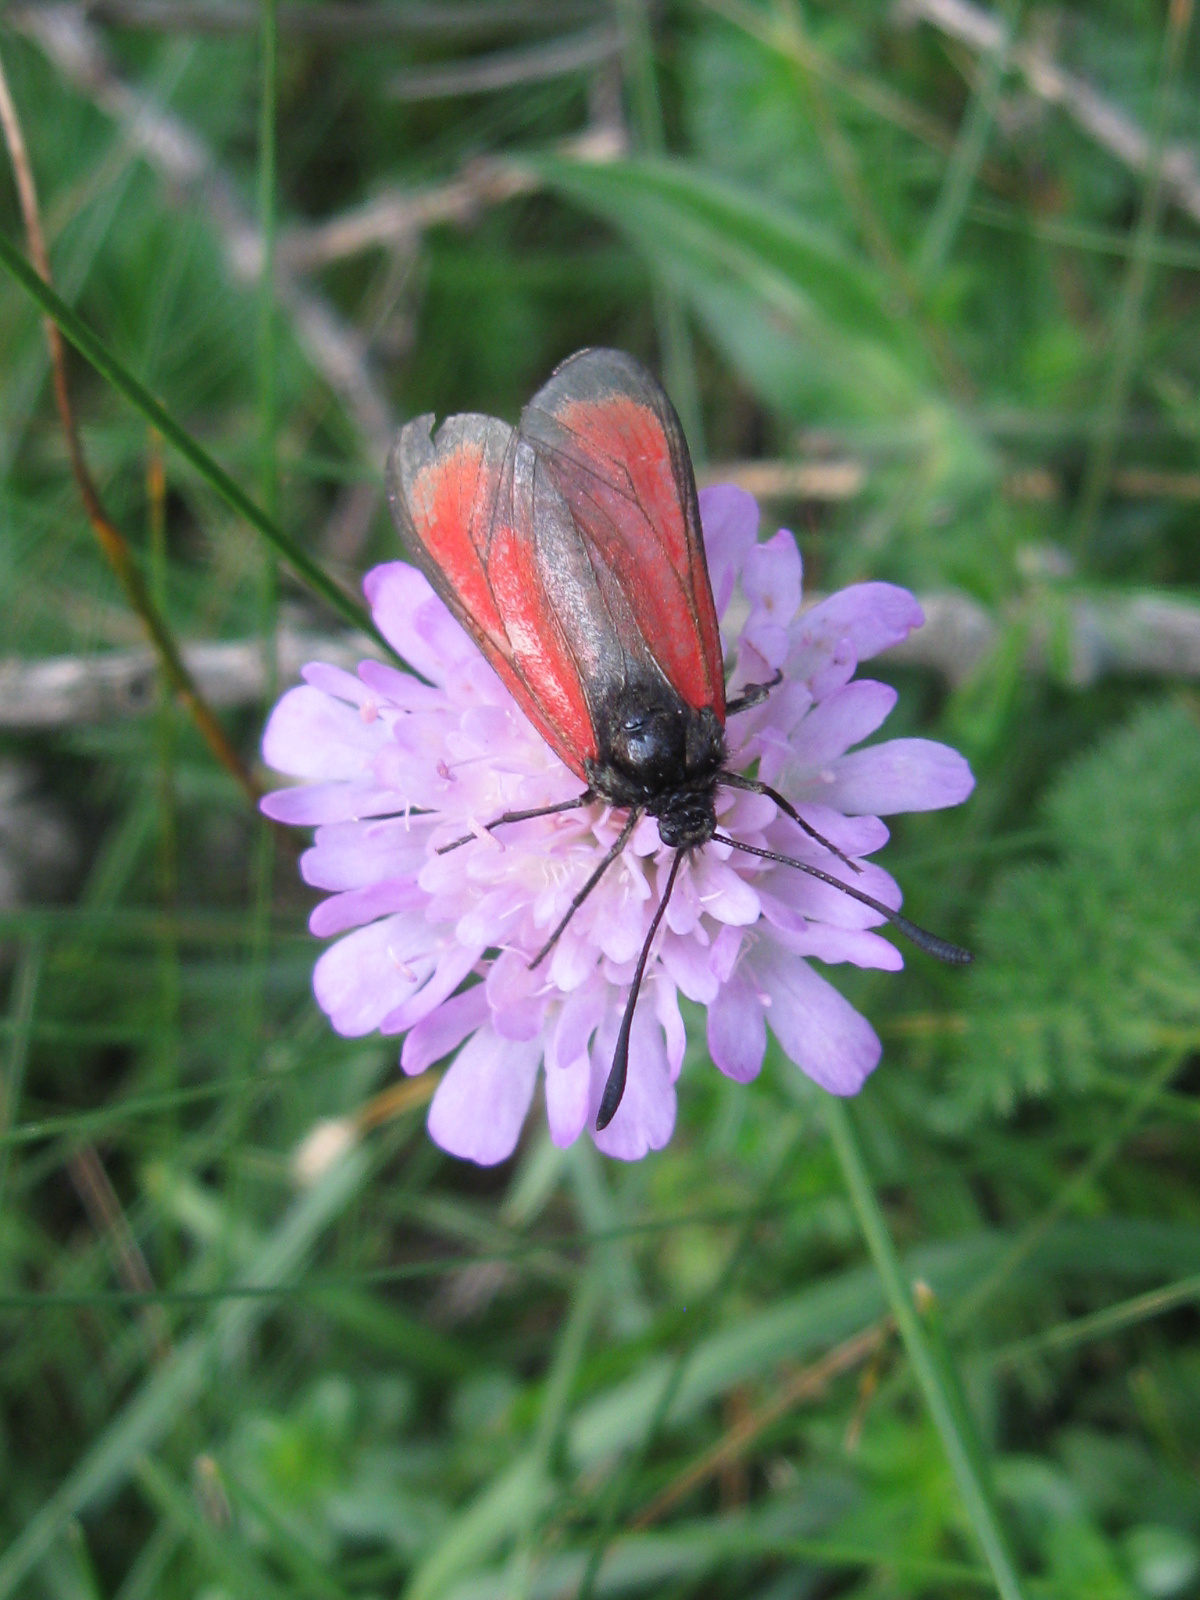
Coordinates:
942	1340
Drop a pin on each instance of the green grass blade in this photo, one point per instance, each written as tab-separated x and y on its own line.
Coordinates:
1101	1324
969	149
976	1499
25	988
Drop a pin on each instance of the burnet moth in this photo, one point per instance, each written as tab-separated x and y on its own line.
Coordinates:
570	550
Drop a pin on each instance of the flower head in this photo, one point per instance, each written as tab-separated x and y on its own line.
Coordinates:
436	944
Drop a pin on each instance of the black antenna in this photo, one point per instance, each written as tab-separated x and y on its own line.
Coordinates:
614	1089
618	845
735	780
929	942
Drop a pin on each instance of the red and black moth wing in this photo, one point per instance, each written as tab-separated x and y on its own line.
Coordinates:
569	549
614	445
459	506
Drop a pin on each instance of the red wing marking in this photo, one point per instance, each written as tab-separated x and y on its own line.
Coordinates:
613	444
453	500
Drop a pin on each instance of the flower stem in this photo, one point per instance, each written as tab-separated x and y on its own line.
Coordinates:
976	1498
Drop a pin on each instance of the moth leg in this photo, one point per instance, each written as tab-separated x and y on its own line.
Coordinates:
584	799
735	780
618	845
753	695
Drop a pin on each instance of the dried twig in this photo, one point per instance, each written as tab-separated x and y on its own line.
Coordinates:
1149	635
109	536
842	478
66	691
505	69
398	216
1107	124
790	480
107	1217
809	1383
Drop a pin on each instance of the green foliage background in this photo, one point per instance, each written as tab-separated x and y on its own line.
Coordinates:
838	233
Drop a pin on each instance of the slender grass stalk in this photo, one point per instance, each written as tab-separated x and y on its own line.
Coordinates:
1100	1324
166	1032
675	336
1082	236
24	1006
93	350
969	149
1128	331
959	1452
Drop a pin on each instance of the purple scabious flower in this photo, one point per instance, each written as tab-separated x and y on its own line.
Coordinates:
436	946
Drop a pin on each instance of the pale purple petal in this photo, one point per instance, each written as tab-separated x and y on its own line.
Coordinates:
666	1009
771	583
356	906
843	718
870	616
399	688
726	948
567	1089
723	892
414	621
737	1033
335	681
481	1103
853	836
729	518
368	973
454	963
788	897
352	855
818	1029
837	670
568	1063
518	996
444	1030
312	735
688	965
901	775
579	1016
859	946
645	1118
313	804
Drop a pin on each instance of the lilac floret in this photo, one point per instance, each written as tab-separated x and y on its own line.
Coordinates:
436	946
